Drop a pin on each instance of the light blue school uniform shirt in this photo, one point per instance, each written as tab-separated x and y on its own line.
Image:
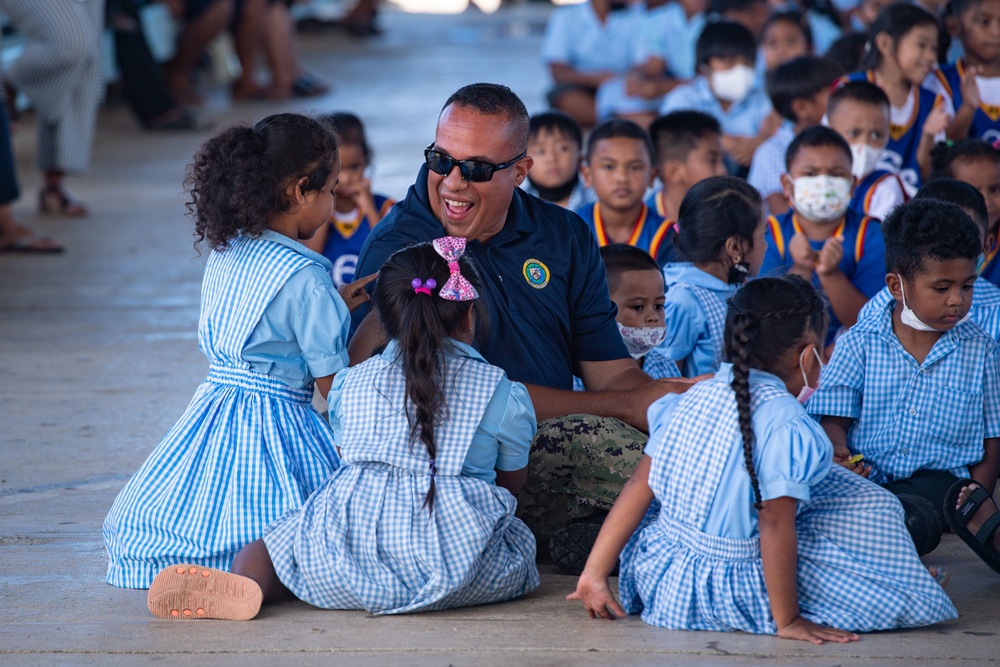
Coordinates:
695	315
669	34
302	334
768	163
741	119
575	36
791	453
910	416
985	306
509	420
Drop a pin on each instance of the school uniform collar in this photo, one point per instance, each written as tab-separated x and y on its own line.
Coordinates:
687	272
281	239
456	348
757	377
881	325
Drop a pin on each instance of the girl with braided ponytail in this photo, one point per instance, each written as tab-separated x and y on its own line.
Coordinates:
250	445
433	442
737	519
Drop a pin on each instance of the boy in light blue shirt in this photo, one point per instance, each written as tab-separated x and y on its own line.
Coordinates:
915	388
725	88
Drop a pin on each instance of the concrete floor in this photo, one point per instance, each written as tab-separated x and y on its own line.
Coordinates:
98	357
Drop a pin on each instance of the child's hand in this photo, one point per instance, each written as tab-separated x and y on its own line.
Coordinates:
803	256
807	631
354	294
740	149
595	594
970	89
842	457
830	256
937	121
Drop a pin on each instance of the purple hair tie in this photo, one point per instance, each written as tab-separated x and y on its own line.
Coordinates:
458	288
421	287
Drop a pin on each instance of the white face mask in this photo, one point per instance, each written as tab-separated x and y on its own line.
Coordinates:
910	319
821	199
733	84
807	391
640	340
864	158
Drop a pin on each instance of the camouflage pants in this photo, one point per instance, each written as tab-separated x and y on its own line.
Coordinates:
578	465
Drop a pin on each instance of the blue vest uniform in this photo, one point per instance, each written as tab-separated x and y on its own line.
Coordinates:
865	188
986	120
345	241
864	254
649	234
900	155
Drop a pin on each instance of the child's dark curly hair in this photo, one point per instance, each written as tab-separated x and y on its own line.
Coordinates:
928	228
766	318
945	153
238	179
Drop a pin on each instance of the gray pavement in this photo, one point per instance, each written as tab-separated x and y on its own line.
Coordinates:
98	357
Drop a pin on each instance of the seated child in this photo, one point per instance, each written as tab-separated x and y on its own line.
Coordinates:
726	89
900	53
636	286
978	164
798	90
973	81
820	239
985	295
250	445
555	141
721	243
848	50
785	37
585	45
686	149
915	388
619	168
751	14
756	531
859	112
355	209
434	442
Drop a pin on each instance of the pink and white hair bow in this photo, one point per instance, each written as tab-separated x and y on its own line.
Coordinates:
458	288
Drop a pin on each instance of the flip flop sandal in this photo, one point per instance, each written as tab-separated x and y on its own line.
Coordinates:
189	592
58	202
33	244
307	86
958	519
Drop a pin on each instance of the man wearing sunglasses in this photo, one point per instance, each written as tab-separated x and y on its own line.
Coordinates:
544	286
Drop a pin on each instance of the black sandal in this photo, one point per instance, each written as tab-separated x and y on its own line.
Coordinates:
958	519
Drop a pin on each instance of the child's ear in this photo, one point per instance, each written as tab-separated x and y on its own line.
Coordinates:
883	42
734	249
585	172
988	243
787	188
295	193
952	25
672	171
893	282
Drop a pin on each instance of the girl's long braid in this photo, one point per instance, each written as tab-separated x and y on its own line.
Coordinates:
742	340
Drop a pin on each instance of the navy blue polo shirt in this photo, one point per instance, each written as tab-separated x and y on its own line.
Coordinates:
543	284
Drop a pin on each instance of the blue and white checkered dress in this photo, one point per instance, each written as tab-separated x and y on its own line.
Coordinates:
658	367
910	416
985	306
248	447
857	567
695	316
365	540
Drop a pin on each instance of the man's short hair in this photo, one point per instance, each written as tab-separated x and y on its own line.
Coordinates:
493	99
804	77
619	128
621	257
677	133
924	229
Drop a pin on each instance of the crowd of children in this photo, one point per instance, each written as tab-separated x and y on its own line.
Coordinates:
818	250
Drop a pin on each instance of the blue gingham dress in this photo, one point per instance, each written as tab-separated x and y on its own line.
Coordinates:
247	448
857	568
364	540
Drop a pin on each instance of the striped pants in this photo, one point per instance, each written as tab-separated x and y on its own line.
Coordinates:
60	72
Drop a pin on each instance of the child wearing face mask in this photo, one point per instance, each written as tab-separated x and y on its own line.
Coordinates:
756	530
973	81
859	112
820	239
915	388
721	243
726	89
901	51
555	141
985	295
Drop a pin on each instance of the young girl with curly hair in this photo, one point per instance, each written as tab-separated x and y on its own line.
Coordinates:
250	445
434	441
753	527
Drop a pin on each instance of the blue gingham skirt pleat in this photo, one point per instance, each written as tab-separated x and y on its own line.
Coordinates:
247	449
857	569
365	541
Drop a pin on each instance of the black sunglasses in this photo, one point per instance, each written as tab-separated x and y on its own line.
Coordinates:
476	171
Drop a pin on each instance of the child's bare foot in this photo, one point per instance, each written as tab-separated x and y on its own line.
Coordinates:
973	515
191	592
